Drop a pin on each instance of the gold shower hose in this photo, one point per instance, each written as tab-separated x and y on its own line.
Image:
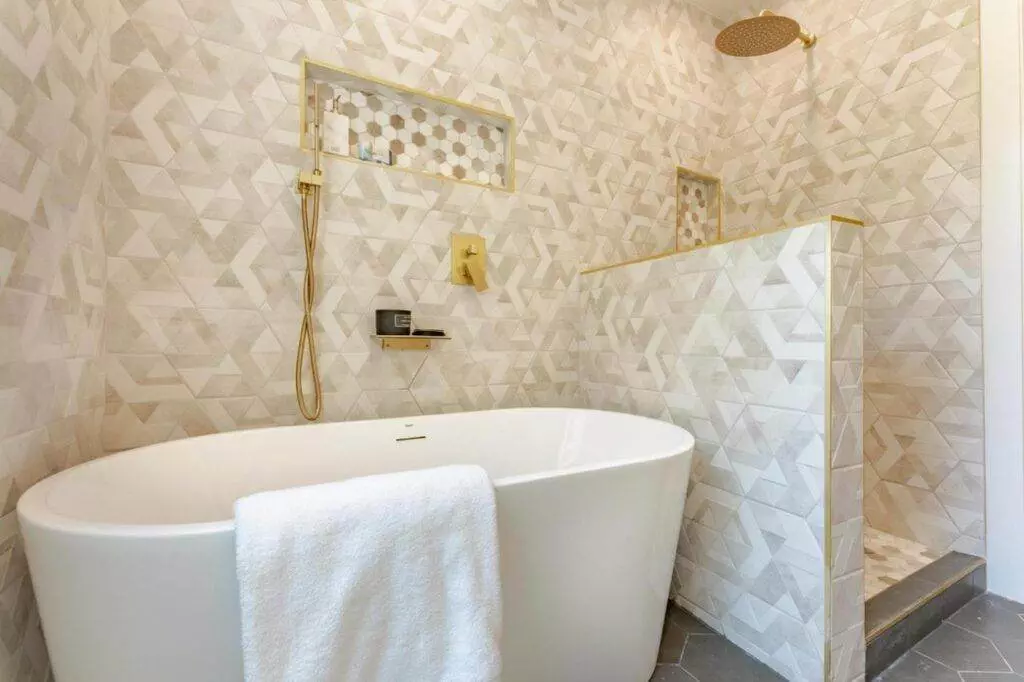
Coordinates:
307	333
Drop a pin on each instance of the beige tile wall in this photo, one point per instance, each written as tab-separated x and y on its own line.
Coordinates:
846	453
881	121
199	281
53	106
204	243
730	342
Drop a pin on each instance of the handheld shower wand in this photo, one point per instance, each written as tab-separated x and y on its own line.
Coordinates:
309	187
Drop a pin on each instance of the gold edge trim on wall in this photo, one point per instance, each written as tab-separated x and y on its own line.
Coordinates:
728	240
510	142
827	493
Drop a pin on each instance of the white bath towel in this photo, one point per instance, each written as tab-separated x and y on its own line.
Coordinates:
388	578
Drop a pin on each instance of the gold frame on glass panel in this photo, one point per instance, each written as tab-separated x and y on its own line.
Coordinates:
340	73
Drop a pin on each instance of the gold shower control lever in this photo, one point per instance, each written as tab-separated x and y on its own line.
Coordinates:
469	261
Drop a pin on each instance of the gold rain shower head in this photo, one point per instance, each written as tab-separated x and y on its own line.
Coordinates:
761	35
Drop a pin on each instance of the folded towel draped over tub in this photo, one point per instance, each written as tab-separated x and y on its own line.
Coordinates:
388	578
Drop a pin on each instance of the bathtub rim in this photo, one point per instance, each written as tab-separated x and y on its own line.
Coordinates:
33	508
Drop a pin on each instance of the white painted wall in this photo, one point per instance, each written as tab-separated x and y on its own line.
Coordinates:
1002	40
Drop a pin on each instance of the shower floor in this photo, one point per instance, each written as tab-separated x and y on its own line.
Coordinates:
889	559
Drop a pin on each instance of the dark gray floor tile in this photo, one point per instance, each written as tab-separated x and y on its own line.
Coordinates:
687	622
916	668
673	639
1013	652
991	677
672	673
992	617
711	658
1000	621
1005	604
962	650
903	615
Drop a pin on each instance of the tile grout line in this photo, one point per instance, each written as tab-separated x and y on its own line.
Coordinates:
995	647
937	662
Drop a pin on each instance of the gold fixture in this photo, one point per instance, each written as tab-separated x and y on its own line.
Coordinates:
309	187
761	35
326	72
879	630
724	240
469	261
408	341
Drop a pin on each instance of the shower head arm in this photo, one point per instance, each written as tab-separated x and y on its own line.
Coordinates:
806	37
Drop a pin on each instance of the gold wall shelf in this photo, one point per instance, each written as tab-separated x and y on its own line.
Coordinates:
408	341
396	127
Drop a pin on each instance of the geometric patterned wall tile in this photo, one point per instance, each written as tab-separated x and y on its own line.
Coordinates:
884	125
53	130
846	495
182	118
728	342
205	254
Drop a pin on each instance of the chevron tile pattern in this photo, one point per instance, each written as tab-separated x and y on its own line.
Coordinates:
53	128
846	452
881	121
729	342
150	258
205	255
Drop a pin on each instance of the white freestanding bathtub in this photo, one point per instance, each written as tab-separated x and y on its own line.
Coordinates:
132	555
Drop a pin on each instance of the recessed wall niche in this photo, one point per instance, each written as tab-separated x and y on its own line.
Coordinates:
698	209
373	121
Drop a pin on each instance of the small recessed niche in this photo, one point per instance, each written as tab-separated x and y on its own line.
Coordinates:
368	120
698	209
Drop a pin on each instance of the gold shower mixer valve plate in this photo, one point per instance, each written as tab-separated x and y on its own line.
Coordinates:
469	257
311	179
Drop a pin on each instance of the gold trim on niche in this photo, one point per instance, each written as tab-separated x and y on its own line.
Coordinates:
727	240
683	172
509	121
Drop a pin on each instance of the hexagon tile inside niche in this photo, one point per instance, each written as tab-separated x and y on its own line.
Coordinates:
698	209
388	124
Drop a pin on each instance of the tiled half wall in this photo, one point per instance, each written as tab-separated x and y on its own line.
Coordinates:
755	347
881	121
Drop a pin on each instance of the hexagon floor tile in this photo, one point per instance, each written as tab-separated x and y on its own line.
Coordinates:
690	651
982	642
